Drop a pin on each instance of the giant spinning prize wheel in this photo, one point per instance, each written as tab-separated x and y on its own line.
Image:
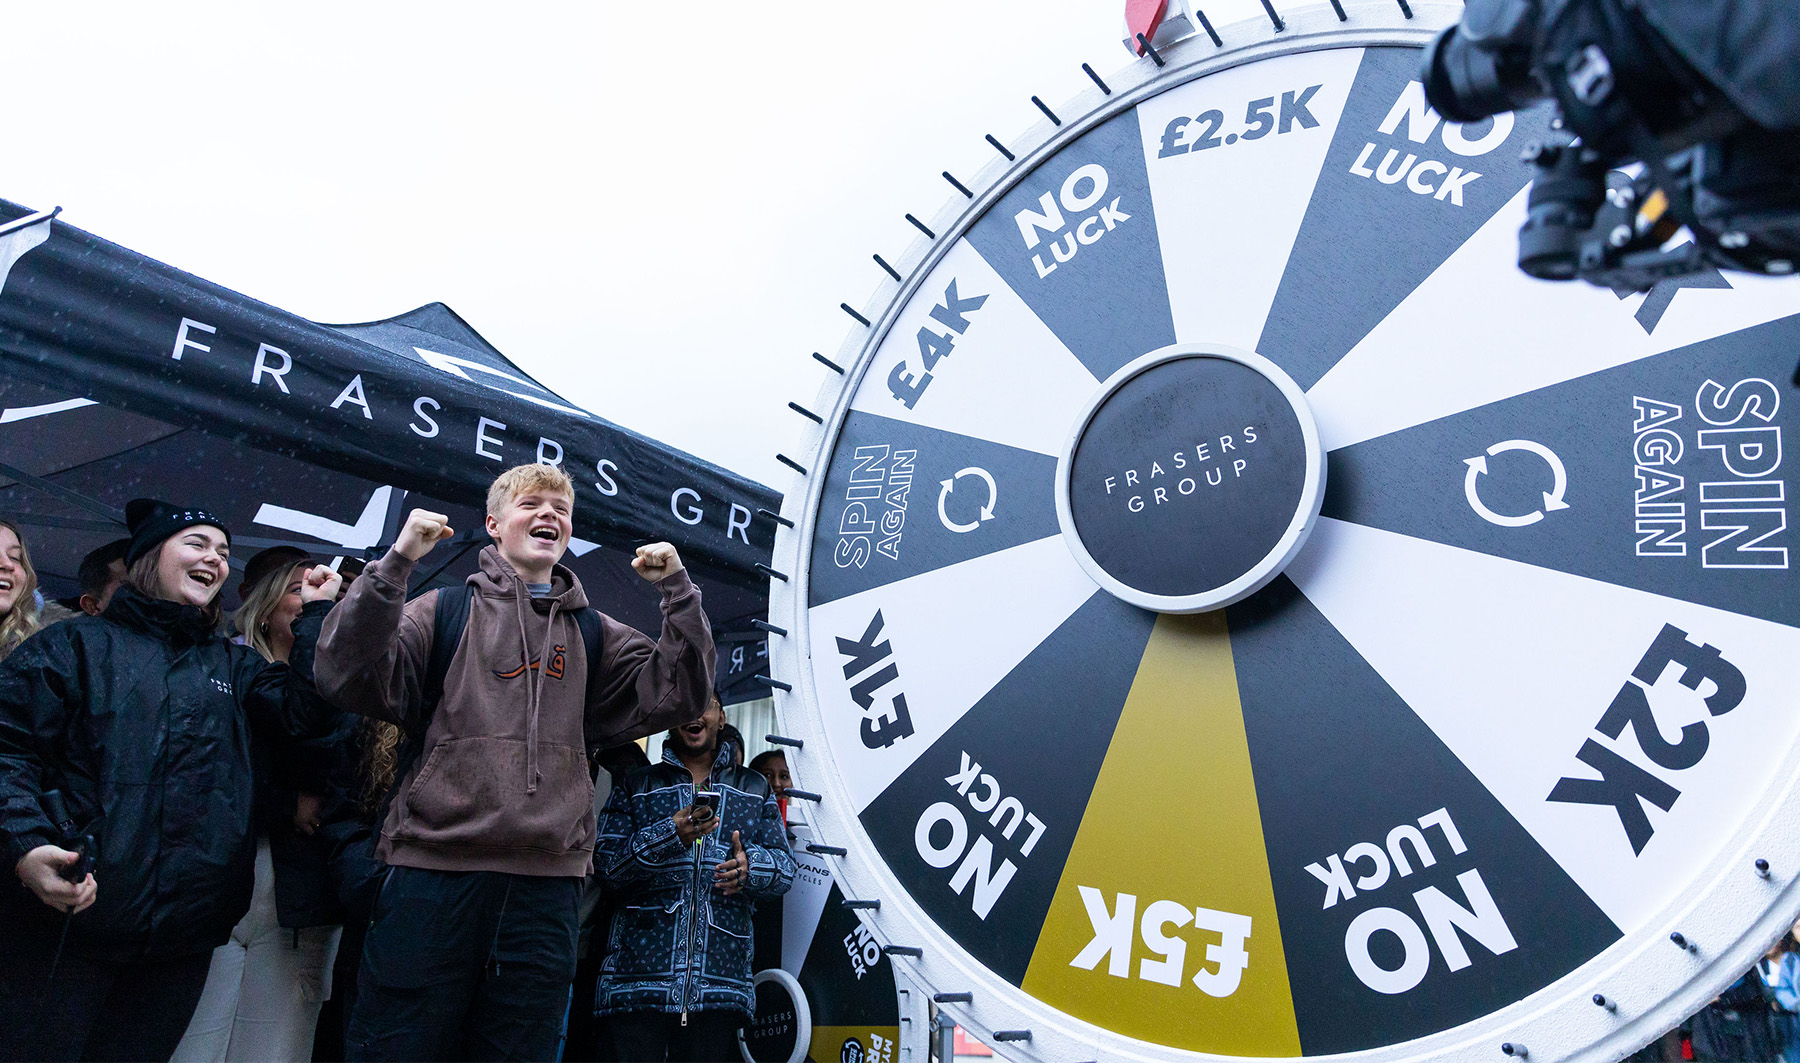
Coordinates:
1231	611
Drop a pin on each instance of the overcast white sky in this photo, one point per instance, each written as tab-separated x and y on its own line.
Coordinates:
655	208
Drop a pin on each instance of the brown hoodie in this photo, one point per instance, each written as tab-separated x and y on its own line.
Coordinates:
502	782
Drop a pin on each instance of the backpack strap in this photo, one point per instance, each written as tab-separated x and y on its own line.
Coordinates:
589	619
446	635
451	618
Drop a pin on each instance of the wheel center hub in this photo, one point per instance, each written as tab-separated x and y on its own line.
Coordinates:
1191	478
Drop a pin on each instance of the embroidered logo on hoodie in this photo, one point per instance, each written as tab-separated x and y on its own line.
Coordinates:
555	671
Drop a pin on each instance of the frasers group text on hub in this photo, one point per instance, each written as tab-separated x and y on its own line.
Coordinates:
1180	481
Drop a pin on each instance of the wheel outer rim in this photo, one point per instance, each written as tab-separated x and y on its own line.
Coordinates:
1732	914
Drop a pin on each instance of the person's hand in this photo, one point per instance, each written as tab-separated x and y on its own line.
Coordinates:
657	560
691	826
306	812
734	874
320	584
424	529
38	870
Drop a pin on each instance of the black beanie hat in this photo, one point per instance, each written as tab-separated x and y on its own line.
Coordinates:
264	562
151	522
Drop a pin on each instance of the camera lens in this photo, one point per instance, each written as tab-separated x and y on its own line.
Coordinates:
1569	187
1466	82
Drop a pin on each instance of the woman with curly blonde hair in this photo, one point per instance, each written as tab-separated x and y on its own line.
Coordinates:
18	590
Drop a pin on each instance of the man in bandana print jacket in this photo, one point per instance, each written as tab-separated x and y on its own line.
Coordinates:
676	978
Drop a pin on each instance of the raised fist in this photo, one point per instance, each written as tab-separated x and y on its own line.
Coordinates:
424	529
320	584
657	560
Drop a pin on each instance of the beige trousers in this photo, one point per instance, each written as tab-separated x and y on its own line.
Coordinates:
263	992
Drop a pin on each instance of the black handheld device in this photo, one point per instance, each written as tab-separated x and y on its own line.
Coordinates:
71	837
706	805
83	846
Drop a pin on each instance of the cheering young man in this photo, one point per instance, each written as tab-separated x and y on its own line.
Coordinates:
491	828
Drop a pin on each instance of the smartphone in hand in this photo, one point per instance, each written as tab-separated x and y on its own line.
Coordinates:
706	805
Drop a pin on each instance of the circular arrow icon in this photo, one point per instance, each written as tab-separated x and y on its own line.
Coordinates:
1553	498
987	510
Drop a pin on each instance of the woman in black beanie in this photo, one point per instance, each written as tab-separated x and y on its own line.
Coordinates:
125	741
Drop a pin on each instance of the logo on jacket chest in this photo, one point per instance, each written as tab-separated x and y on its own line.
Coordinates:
553	670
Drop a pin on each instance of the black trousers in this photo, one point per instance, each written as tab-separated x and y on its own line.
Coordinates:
656	1036
583	1043
333	1030
92	1009
465	965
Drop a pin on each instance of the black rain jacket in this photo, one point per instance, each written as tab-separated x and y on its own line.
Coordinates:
304	895
142	718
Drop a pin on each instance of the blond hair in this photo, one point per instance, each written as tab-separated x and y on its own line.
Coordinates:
521	479
22	622
252	618
379	763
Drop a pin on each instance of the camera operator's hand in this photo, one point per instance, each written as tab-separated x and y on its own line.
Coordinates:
657	560
693	823
734	874
424	529
38	870
320	584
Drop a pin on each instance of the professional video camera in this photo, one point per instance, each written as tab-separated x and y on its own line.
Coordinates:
1704	93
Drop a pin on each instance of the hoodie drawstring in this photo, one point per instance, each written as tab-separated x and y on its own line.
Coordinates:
534	680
